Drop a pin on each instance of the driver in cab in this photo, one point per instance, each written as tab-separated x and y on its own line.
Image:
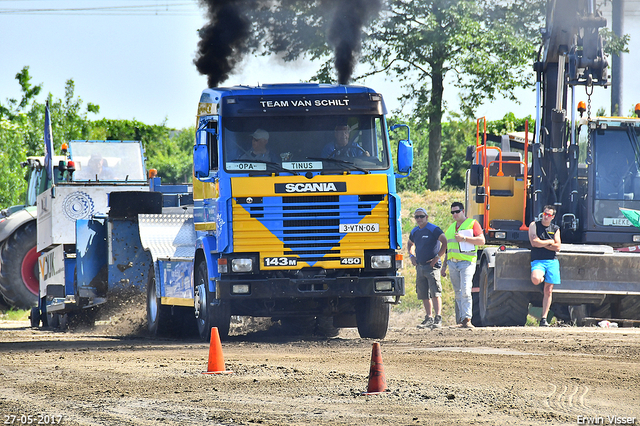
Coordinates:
342	147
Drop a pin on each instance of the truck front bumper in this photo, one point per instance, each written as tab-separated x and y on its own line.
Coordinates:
274	288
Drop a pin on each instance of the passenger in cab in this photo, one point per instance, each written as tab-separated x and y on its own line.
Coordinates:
342	147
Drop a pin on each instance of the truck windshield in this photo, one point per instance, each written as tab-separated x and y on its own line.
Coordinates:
301	143
617	171
107	161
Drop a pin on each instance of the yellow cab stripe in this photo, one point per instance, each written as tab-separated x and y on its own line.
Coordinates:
265	186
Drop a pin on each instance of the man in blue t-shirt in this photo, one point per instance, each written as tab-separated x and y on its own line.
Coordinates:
430	245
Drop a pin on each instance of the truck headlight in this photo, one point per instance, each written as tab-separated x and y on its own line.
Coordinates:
381	261
241	265
384	285
501	235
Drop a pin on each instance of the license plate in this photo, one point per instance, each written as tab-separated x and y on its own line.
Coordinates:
616	221
359	227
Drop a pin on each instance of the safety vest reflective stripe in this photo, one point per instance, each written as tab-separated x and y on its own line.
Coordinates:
453	247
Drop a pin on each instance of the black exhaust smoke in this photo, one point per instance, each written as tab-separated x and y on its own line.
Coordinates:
223	41
345	33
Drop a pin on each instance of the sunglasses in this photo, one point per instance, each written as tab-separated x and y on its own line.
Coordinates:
548	214
455	211
420	216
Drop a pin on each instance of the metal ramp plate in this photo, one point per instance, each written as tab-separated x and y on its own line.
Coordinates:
168	236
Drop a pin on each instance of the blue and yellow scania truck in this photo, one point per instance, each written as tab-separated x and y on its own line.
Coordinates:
295	210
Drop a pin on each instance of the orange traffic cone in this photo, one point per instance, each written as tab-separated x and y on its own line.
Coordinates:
377	381
216	360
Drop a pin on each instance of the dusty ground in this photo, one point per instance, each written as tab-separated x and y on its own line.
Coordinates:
493	376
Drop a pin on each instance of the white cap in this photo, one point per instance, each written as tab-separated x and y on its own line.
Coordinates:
261	134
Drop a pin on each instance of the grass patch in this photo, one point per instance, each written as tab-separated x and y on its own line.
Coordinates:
438	207
15	315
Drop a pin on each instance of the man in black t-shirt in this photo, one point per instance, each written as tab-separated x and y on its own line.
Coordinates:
430	245
544	237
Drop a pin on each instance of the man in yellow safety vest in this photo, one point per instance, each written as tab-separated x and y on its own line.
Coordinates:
462	238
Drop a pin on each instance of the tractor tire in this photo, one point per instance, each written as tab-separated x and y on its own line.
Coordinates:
372	317
500	308
19	271
209	312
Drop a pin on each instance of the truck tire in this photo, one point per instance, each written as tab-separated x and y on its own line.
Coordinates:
35	317
629	307
208	313
298	326
475	309
53	321
578	313
372	317
19	272
158	316
602	311
501	308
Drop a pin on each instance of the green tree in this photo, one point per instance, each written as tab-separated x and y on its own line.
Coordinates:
167	150
68	119
12	153
12	110
172	157
487	47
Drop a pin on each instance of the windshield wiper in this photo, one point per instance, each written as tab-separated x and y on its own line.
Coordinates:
349	165
276	166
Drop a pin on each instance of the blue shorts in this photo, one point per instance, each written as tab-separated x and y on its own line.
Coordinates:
551	269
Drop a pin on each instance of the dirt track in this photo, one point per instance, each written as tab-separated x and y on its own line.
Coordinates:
491	376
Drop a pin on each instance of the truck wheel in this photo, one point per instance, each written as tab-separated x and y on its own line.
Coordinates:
207	314
53	321
298	326
19	271
158	316
35	316
630	307
475	309
501	308
324	326
372	316
578	313
602	311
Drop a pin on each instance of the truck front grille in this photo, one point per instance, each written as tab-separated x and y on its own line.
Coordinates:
308	227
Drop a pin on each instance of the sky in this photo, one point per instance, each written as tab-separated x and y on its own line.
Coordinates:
135	60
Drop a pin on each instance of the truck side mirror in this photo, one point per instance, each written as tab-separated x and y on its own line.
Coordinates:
405	157
405	153
471	152
201	161
476	175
